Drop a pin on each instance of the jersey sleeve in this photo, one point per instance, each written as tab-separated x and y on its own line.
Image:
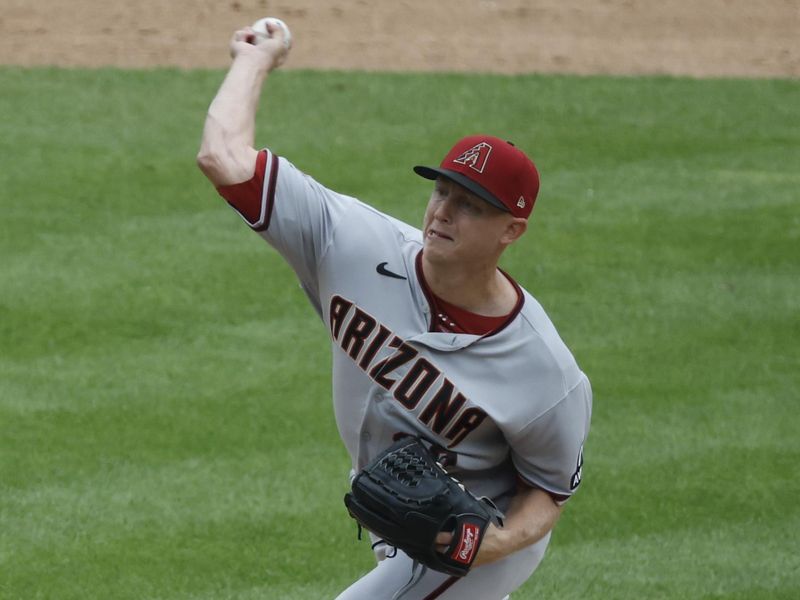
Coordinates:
548	452
291	211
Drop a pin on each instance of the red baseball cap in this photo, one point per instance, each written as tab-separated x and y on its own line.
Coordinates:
493	169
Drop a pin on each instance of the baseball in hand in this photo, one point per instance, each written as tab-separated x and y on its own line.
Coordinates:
260	27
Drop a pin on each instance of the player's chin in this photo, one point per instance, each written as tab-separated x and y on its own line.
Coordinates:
438	248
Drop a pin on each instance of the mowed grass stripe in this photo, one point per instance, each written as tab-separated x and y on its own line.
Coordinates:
165	406
693	562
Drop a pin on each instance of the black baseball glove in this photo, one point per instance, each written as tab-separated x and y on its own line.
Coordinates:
406	498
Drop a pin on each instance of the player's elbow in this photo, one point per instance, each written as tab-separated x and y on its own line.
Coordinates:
224	168
224	165
208	162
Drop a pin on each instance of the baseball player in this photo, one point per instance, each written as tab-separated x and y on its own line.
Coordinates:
429	337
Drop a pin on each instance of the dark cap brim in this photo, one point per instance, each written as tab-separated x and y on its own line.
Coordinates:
462	180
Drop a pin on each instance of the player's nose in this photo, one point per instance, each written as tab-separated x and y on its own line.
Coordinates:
443	210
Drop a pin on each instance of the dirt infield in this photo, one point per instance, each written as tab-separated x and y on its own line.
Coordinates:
707	38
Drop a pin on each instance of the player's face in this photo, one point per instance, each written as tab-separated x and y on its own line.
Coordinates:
460	226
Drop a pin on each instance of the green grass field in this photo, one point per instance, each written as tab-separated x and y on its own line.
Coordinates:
165	412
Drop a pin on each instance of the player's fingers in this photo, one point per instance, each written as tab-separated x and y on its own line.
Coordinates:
278	32
245	34
241	36
443	541
444	538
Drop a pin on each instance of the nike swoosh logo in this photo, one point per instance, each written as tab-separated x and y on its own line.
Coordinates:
382	270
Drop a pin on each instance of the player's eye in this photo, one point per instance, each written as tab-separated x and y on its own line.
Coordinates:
469	206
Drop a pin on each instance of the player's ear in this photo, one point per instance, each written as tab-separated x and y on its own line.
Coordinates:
514	230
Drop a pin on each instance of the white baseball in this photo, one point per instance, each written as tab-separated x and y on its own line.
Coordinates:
260	27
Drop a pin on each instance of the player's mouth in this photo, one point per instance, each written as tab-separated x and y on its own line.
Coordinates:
432	233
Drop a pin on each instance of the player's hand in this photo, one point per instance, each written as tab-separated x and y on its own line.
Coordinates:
492	546
443	540
270	53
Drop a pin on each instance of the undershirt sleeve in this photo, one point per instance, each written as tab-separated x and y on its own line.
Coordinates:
252	199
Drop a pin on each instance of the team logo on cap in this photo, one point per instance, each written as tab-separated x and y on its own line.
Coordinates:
521	202
476	157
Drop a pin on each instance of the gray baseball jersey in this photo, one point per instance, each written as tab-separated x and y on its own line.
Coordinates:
505	406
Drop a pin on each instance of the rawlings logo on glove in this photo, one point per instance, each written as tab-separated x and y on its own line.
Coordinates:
465	551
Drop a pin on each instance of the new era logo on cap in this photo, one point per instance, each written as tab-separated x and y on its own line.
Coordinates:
492	169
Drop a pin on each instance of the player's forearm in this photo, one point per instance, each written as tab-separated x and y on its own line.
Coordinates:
233	110
531	515
226	152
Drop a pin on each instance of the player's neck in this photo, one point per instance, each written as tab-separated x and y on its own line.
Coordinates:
480	289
